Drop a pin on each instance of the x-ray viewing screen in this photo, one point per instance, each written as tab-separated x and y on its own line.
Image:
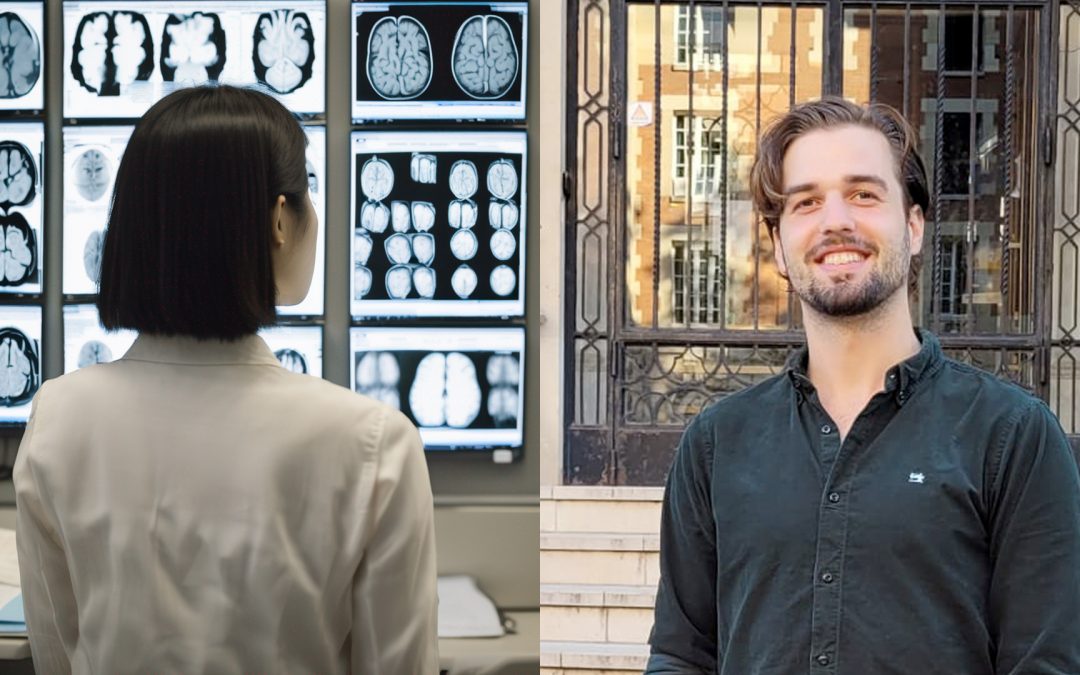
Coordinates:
298	348
438	224
121	56
22	147
20	359
463	387
439	60
22	68
91	157
87	343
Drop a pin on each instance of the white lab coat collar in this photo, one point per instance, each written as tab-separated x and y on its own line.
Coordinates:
185	350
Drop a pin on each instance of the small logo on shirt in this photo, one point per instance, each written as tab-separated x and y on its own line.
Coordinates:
916	478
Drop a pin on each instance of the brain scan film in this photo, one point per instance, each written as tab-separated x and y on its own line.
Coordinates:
463	281
19	173
503	376
292	360
399	282
94	352
92	255
400	219
377	376
19	252
485	59
502	179
398	249
20	369
462	213
20	56
502	214
464	179
93	174
362	247
376	179
399	58
284	50
424	281
503	244
423	247
423	168
423	216
503	280
192	48
464	245
361	281
374	216
445	391
112	50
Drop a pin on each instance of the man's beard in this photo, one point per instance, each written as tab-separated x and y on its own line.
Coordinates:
851	298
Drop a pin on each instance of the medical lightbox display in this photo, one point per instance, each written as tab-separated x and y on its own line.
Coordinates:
22	72
439	60
20	358
298	348
462	387
121	56
438	224
86	343
22	149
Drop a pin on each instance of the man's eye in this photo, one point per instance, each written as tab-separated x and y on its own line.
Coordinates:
803	203
864	195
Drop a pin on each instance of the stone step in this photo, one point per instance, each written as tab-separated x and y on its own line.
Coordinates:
606	656
599	558
596	624
591	509
597	595
599	541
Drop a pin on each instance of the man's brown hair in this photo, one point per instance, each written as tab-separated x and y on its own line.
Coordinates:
767	180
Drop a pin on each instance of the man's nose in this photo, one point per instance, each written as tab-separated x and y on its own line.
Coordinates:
836	214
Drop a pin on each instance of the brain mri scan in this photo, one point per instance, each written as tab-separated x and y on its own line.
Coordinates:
292	360
464	245
423	216
284	50
502	179
502	214
463	281
19	250
361	281
377	376
464	179
502	376
92	255
376	179
93	173
374	216
399	282
503	244
503	280
94	352
19	173
462	213
20	371
424	281
399	58
20	56
423	247
445	391
362	245
400	218
422	168
192	48
122	35
485	57
398	249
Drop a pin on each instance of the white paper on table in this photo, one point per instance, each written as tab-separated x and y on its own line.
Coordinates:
8	593
9	559
464	610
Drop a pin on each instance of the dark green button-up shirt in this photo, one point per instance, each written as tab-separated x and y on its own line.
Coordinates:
941	536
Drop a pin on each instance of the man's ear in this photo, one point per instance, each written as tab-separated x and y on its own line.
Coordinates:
916	224
279	229
778	250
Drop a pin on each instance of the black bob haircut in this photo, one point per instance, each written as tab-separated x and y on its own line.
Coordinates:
187	250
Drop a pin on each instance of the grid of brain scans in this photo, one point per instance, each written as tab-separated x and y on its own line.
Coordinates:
446	60
122	56
20	358
438	217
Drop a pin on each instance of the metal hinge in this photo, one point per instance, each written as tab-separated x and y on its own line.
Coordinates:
617	141
1048	146
567	185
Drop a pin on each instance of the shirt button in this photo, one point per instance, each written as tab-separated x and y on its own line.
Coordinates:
827	578
834	497
825	429
823	659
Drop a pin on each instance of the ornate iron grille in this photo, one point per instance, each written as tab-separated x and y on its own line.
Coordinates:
667	102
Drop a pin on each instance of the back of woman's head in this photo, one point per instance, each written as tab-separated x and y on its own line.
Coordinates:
188	250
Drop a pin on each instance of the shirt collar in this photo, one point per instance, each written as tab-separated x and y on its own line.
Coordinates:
185	350
902	378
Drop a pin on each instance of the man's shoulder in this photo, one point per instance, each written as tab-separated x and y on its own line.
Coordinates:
966	381
756	402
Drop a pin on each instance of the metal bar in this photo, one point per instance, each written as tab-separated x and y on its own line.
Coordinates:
1046	80
873	52
690	152
709	336
571	366
973	149
791	104
756	248
1005	315
907	62
658	133
723	165
832	74
617	228
938	173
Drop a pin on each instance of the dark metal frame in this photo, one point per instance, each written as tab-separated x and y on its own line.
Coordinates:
609	453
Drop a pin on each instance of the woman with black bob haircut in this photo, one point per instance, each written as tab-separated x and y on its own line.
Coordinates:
194	507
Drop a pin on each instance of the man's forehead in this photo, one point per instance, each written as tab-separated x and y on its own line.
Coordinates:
834	154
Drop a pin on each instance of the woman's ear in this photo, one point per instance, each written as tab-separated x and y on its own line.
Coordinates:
279	229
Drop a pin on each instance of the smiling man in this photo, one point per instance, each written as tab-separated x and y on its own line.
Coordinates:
877	507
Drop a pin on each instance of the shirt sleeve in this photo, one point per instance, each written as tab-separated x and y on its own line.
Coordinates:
683	638
1035	549
395	621
48	598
